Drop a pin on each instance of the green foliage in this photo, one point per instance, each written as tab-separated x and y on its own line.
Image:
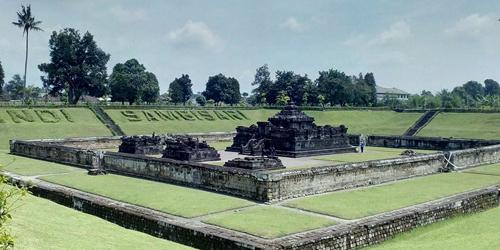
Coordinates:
282	98
268	222
201	100
491	87
263	82
14	88
2	79
374	200
131	82
222	89
26	21
77	66
9	196
334	86
179	90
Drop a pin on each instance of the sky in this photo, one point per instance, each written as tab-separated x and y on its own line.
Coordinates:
411	45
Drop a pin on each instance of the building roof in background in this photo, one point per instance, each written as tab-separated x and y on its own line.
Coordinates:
383	90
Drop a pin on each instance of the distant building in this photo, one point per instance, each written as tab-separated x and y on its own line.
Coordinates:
391	93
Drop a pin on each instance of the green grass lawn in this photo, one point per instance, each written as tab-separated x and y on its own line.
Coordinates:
268	222
374	200
366	122
30	167
479	232
172	199
464	125
85	124
220	145
493	169
370	154
41	224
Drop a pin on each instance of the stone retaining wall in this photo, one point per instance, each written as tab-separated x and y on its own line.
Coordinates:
265	186
349	235
369	231
430	143
295	183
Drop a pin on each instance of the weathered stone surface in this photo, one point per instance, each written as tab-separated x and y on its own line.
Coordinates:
146	145
291	133
189	149
255	163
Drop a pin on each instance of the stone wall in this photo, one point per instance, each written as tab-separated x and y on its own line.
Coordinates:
54	152
295	183
349	235
234	181
430	143
369	231
468	158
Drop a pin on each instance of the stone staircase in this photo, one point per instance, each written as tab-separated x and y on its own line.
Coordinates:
421	122
104	118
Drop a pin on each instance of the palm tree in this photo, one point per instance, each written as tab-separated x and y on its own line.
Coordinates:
26	22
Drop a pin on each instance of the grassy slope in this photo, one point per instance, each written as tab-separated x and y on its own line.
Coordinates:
85	124
367	122
371	153
464	125
41	224
489	170
477	232
172	199
268	222
374	200
29	167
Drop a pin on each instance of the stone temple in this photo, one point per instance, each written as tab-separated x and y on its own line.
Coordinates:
291	133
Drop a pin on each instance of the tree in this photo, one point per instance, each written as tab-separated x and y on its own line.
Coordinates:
474	89
370	81
14	88
26	21
491	87
180	89
130	82
263	82
283	98
77	66
334	86
220	88
201	100
311	94
2	77
9	195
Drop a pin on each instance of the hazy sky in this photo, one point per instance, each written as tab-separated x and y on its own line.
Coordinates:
412	45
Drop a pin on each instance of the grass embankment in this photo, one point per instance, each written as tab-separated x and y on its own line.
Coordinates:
149	121
30	167
41	224
493	169
268	222
478	231
464	125
374	200
171	199
48	123
370	154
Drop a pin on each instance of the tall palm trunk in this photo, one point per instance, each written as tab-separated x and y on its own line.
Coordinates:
26	61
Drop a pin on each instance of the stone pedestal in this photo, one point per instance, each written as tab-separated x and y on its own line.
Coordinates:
188	149
255	163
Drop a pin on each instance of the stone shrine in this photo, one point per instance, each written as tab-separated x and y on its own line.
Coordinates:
291	133
255	163
189	149
147	145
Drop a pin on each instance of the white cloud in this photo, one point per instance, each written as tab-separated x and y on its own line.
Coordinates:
194	34
474	25
128	15
396	33
293	24
399	31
